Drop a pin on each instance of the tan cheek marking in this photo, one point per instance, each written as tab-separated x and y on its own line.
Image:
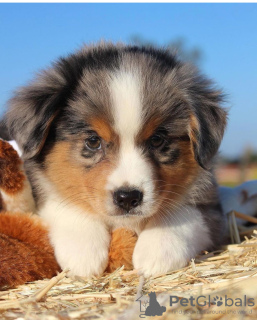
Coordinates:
175	179
78	185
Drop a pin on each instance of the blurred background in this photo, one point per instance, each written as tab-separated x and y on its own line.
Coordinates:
219	38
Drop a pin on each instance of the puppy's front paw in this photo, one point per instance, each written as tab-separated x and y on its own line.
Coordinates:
81	242
166	245
154	254
85	261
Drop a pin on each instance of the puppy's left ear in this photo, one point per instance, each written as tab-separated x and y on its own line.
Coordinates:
33	108
207	121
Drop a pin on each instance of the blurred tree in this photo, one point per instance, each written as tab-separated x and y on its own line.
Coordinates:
177	46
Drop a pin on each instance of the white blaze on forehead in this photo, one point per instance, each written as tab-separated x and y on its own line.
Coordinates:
133	170
126	95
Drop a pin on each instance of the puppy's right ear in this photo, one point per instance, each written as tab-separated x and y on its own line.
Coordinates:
33	109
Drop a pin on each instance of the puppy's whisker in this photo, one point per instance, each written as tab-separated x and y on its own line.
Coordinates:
179	211
81	196
166	184
168	191
176	205
169	202
164	215
76	199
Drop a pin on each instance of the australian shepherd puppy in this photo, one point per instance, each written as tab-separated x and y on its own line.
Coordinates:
122	136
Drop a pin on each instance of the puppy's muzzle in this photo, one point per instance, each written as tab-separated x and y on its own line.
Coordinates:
127	199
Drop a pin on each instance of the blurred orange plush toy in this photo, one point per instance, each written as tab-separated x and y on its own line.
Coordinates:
25	251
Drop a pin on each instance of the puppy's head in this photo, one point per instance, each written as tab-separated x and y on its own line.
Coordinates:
119	130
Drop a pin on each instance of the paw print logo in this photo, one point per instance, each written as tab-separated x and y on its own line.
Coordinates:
218	301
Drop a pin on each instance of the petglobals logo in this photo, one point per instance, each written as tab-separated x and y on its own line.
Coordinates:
203	301
149	306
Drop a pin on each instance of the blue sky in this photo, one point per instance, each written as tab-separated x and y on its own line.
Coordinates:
32	35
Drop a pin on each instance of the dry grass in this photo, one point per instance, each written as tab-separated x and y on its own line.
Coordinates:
231	271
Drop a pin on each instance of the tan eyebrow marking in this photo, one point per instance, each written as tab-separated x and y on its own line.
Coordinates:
103	128
149	128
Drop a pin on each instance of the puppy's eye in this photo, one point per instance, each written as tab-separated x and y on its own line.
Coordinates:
93	143
156	141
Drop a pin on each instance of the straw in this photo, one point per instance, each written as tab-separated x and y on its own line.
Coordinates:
230	272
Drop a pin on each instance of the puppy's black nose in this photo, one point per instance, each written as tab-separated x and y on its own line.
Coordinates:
127	199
